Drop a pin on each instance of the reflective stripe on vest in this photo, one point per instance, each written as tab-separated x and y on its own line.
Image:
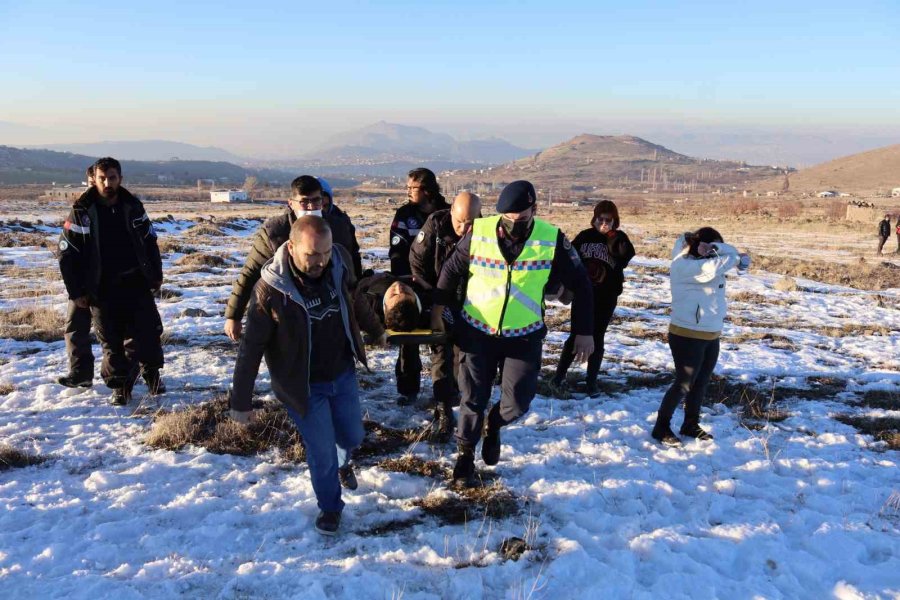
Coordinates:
508	299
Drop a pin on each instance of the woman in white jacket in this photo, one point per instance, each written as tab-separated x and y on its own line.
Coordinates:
697	276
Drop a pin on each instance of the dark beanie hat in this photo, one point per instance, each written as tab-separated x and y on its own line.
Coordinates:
518	196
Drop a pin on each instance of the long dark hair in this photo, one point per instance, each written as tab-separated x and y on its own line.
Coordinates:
707	235
427	179
606	207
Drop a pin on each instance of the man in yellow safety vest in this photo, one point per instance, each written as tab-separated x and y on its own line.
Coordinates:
507	262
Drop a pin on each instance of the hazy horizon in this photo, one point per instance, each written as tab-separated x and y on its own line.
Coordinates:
276	80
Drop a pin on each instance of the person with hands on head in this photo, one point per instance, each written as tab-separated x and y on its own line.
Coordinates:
304	319
700	260
110	262
507	264
605	252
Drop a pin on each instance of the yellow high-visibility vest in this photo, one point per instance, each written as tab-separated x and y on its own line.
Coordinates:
507	299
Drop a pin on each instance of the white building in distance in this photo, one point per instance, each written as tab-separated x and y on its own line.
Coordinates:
228	196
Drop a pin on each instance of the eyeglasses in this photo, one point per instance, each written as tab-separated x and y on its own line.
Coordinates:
604	220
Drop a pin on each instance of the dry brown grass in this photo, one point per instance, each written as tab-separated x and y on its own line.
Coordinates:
11	458
21	239
885	399
864	275
204	229
493	501
169	245
6	389
32	324
883	429
41	273
415	466
202	259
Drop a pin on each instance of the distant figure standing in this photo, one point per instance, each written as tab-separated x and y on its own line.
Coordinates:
700	260
605	252
897	229
884	232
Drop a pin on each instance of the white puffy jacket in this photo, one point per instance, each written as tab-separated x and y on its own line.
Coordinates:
698	286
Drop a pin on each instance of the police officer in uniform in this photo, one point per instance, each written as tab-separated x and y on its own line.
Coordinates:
110	261
507	261
432	247
425	197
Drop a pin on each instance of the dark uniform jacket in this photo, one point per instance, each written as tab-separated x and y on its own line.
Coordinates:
79	243
408	221
566	270
431	248
884	229
271	235
278	328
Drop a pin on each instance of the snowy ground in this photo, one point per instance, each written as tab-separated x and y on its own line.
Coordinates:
805	507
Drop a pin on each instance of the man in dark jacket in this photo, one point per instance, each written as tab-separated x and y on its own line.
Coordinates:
306	199
884	232
110	261
402	304
342	229
425	197
430	250
303	319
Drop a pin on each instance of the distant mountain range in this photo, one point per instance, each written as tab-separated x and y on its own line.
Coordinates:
150	150
596	161
389	143
20	165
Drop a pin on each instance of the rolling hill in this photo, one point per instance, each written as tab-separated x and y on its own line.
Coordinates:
865	173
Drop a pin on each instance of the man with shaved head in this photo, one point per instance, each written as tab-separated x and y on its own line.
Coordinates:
434	243
303	319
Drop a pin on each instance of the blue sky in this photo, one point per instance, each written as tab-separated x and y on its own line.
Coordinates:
249	75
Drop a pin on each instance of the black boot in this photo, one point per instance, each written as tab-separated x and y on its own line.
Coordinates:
663	433
591	388
490	445
442	428
74	380
694	430
120	396
464	470
154	382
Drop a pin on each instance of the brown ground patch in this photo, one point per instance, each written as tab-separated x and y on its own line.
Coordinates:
415	466
32	325
204	229
169	245
864	275
201	259
21	239
461	506
884	399
883	429
11	458
6	389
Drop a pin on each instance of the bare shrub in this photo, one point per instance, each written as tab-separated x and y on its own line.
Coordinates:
835	211
202	259
789	209
11	458
6	389
32	325
743	206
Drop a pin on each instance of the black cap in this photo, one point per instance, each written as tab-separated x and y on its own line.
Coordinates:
518	196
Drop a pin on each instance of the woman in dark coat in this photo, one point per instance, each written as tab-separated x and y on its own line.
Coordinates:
605	252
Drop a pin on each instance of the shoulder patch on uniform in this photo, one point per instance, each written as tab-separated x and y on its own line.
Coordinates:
395	240
63	245
421	237
85	221
567	244
412	222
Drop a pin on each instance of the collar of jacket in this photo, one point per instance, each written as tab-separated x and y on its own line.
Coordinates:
92	196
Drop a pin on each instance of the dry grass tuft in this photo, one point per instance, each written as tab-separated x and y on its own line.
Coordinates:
884	399
21	239
208	425
169	245
10	458
32	325
204	229
864	275
381	440
883	429
6	389
494	501
202	259
414	465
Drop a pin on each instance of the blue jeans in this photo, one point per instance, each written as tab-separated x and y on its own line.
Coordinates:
331	429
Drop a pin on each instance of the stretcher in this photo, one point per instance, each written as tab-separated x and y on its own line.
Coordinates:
416	336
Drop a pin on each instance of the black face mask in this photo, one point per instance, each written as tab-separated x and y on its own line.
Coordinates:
516	228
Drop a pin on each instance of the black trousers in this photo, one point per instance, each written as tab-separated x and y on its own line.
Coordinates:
695	361
881	243
480	357
78	341
603	313
126	314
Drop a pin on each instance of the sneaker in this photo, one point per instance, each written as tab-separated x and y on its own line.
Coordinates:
73	380
327	523
155	384
490	446
559	389
120	396
347	477
464	470
407	399
696	432
665	435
